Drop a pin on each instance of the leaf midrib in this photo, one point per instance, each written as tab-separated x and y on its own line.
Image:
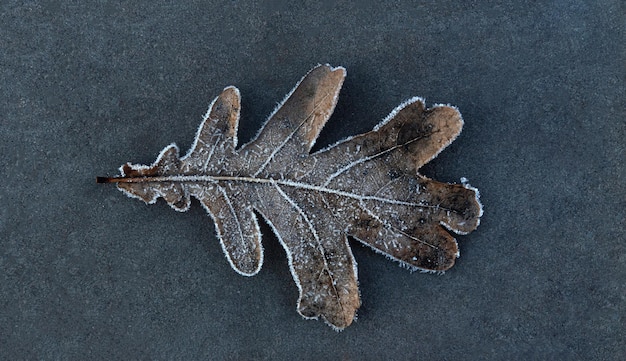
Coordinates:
271	181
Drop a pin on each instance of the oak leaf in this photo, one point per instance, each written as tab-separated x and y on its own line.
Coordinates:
367	187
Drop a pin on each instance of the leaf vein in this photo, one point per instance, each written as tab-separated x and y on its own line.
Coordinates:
317	239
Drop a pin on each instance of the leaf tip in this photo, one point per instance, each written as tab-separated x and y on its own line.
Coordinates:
339	69
467	185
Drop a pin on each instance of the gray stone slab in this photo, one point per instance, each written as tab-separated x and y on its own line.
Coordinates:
86	273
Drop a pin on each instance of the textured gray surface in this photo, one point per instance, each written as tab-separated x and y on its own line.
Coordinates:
87	273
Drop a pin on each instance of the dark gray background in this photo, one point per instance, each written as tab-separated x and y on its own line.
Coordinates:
86	273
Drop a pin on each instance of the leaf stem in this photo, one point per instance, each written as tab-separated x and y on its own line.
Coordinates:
107	180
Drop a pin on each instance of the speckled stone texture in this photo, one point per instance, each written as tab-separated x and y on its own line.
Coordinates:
87	274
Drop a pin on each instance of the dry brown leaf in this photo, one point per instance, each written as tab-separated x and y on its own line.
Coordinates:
367	187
